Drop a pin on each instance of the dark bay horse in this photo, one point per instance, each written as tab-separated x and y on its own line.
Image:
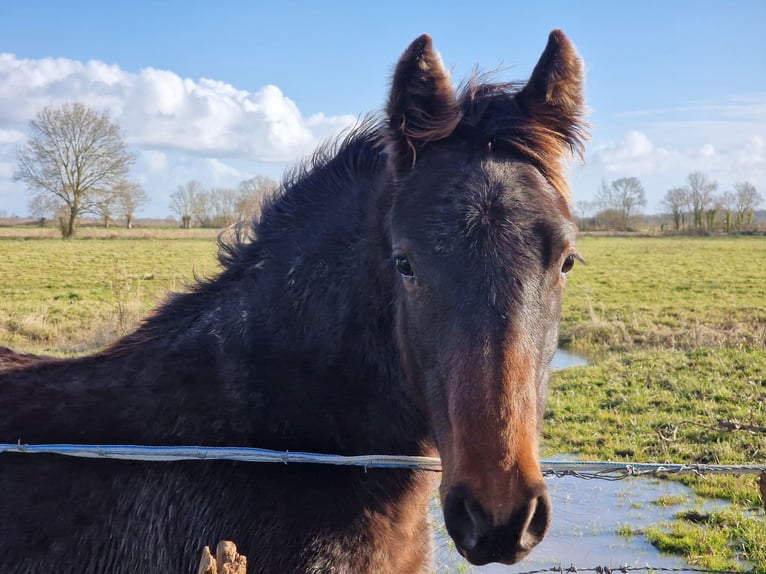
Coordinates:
400	294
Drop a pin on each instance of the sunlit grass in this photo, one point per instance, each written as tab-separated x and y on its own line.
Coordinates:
72	296
677	292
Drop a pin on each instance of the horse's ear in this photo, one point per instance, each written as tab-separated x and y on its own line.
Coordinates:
422	106
553	97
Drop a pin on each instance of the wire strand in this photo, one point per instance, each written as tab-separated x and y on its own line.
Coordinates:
581	469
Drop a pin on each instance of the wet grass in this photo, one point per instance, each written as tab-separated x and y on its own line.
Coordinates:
678	328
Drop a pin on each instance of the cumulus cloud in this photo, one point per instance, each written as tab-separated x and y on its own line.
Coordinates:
634	154
160	110
179	128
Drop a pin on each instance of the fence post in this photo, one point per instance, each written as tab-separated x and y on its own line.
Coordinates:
226	561
762	483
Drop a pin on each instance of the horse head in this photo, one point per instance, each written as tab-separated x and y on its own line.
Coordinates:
481	243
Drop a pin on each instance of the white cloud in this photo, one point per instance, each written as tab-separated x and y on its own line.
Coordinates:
708	150
10	136
158	109
222	171
6	170
152	160
179	128
635	154
663	154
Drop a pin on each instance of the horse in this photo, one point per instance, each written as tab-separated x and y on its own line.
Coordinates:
400	293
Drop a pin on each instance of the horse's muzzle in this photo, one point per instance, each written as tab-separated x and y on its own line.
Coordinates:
481	540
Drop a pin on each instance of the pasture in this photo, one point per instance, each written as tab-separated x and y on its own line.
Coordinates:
675	326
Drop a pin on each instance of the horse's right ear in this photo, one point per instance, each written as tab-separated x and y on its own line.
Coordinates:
553	97
422	106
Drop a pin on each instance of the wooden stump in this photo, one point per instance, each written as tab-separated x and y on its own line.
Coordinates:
762	483
226	561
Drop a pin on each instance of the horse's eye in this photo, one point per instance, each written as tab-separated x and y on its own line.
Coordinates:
568	264
404	267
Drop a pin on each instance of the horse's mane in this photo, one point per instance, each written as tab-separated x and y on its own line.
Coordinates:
336	167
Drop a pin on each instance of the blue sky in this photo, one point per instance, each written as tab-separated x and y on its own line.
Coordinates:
221	91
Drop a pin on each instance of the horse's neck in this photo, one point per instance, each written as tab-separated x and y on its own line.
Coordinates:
241	366
103	398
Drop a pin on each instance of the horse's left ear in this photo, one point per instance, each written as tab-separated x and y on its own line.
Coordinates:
553	97
422	106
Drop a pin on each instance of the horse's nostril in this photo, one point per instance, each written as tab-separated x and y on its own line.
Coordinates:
539	521
482	539
466	521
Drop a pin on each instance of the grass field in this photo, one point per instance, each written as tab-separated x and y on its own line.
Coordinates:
71	296
675	326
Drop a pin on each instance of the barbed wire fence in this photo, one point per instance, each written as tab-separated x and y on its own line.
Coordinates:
625	569
588	470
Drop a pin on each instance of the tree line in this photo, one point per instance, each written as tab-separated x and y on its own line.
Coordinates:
694	207
697	206
75	162
219	206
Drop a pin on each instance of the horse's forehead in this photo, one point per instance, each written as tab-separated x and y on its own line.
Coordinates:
484	204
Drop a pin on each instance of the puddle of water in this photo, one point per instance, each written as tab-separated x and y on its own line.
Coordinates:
586	516
563	359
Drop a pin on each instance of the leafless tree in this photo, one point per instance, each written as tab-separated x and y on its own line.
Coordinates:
131	197
619	200
44	206
676	201
629	196
184	202
221	207
701	190
75	154
728	201
747	199
252	193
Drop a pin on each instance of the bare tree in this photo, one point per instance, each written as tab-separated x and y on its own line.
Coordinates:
43	207
104	205
185	201
619	200
605	202
252	193
629	196
728	202
701	190
676	201
222	207
75	154
584	213
747	199
131	197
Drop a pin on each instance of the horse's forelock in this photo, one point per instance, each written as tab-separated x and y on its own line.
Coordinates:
493	113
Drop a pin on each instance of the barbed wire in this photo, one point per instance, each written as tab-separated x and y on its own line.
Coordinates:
552	468
605	470
625	569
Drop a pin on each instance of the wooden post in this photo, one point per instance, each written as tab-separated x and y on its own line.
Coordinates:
762	483
226	561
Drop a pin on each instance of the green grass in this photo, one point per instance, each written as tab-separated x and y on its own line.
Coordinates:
669	292
676	327
72	296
